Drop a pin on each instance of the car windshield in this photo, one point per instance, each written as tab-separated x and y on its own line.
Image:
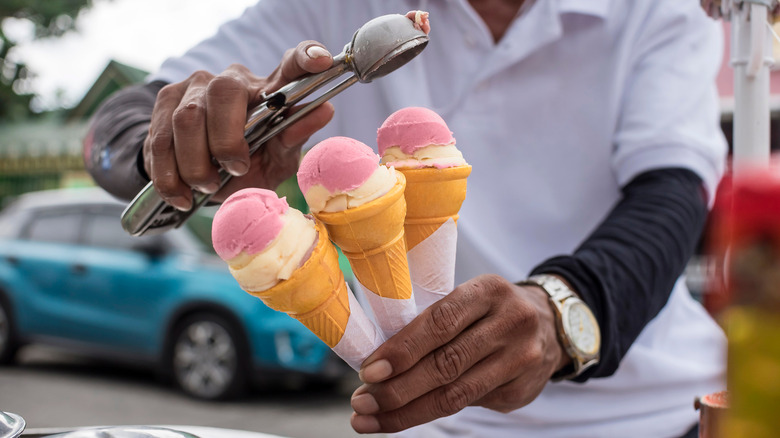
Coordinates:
57	217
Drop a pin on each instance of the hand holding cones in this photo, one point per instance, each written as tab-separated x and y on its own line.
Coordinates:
418	143
362	206
285	259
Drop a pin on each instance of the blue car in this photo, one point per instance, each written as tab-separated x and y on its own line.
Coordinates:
71	277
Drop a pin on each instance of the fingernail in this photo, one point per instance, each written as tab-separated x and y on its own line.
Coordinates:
315	52
180	203
235	167
376	371
365	404
209	188
365	423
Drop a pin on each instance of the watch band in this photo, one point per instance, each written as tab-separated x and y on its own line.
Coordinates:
559	293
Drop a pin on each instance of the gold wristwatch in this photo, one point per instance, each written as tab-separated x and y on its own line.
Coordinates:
578	330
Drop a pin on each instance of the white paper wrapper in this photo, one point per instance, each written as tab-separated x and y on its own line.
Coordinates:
432	265
361	336
390	315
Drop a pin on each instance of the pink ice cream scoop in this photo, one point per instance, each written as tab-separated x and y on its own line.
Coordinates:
411	129
338	164
247	222
341	173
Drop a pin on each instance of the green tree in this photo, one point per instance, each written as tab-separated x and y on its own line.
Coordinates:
50	18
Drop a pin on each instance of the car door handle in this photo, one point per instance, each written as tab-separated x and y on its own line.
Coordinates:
13	260
78	269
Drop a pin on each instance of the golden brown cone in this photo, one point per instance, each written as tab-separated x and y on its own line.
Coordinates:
371	236
432	196
315	294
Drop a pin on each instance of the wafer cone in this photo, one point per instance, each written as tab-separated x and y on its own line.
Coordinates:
432	196
315	294
371	236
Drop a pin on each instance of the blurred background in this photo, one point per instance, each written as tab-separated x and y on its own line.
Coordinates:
97	328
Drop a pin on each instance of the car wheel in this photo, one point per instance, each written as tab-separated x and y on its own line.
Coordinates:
207	357
8	344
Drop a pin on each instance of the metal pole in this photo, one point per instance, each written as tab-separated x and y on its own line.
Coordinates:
751	59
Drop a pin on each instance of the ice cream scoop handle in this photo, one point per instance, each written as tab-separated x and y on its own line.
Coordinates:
148	214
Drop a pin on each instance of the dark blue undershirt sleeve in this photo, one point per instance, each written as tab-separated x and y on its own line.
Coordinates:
114	143
626	269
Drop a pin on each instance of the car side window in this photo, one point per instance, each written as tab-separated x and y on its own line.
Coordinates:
62	227
105	231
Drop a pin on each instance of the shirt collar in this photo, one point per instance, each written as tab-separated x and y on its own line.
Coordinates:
596	8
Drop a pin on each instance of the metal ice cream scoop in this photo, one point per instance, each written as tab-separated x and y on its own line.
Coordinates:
377	48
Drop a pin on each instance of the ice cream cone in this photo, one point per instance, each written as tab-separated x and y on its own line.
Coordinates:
371	236
432	197
316	294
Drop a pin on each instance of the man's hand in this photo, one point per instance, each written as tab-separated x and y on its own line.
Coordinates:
488	343
204	117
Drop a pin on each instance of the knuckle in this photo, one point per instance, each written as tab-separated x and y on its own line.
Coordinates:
390	397
166	184
447	316
224	84
405	355
535	353
238	68
495	284
521	319
449	362
289	53
200	76
454	398
159	142
169	92
508	399
526	316
190	115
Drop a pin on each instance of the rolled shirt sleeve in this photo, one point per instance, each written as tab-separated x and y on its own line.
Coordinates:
669	112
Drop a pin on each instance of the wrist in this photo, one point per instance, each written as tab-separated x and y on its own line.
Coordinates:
557	355
577	329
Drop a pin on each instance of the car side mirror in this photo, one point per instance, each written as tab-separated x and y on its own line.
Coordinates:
152	248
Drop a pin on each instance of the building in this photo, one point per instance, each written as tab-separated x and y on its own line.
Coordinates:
45	152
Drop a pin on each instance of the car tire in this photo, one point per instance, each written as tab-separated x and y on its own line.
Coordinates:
208	358
8	341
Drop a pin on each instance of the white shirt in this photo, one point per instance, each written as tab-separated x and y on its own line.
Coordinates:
591	93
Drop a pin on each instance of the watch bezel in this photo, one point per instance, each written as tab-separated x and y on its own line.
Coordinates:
573	304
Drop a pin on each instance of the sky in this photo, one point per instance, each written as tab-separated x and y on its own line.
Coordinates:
140	33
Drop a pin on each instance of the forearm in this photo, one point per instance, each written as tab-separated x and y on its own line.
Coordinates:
627	267
112	148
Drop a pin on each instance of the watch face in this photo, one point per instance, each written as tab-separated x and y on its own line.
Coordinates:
581	327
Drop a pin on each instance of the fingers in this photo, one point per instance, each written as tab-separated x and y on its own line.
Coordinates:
307	57
202	119
193	158
228	99
298	133
489	343
443	366
159	150
281	155
435	327
441	402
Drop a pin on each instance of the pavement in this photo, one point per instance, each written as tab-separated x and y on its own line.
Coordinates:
54	390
